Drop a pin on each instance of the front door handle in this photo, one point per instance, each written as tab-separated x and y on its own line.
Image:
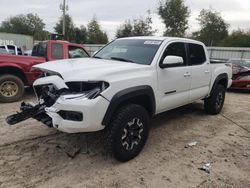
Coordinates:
207	72
187	74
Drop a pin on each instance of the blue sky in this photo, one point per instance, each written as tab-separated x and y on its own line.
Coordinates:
112	13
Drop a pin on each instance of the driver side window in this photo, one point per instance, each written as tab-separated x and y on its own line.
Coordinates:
76	52
176	49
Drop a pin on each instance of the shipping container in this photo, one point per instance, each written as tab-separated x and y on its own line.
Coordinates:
25	42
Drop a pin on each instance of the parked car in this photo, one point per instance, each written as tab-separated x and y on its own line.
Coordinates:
12	49
16	73
241	74
123	85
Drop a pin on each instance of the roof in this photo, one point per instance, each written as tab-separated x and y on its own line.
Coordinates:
160	38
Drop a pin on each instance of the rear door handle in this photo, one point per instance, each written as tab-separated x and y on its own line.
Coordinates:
187	74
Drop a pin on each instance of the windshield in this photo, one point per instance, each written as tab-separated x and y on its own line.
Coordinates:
130	50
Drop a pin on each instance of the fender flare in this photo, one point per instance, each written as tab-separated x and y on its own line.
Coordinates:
218	79
127	94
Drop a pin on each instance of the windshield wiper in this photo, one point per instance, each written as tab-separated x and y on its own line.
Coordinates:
122	59
97	57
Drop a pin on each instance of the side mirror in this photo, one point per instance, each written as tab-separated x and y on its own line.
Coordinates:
172	61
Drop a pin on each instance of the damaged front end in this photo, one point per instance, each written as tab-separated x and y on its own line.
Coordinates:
241	78
51	89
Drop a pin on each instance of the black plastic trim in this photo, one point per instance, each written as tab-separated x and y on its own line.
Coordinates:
217	80
127	94
71	115
170	92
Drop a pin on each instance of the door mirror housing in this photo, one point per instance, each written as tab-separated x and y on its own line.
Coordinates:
172	61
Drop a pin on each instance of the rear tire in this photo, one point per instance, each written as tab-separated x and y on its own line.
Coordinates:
11	88
128	132
215	102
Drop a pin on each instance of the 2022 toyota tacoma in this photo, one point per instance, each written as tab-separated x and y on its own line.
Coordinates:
123	85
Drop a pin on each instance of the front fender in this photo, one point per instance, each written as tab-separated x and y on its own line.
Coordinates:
127	94
11	65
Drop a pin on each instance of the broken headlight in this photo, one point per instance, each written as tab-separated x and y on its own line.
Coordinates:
88	90
47	94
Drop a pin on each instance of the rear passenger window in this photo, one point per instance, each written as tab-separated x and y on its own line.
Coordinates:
57	51
40	50
196	54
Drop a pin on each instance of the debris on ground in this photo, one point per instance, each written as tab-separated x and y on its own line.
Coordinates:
206	167
191	144
75	148
71	152
245	155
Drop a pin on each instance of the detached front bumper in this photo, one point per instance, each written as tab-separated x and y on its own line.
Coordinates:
92	112
65	109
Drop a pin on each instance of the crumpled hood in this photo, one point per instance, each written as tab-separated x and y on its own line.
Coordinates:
91	69
237	69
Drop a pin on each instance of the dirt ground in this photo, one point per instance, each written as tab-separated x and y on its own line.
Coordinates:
32	155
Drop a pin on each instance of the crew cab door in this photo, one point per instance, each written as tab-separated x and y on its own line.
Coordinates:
200	71
174	82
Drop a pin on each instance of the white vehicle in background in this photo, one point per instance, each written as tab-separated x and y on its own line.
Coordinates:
3	51
123	85
12	49
27	53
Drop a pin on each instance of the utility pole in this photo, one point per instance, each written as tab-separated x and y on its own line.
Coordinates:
64	17
64	8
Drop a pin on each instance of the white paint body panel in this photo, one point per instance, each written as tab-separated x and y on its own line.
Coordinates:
56	80
121	76
93	112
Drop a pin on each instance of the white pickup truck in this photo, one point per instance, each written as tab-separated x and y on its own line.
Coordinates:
11	49
123	85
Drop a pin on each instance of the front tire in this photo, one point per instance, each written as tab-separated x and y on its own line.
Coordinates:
215	102
11	88
128	132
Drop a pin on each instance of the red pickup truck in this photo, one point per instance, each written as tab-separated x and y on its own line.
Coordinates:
16	73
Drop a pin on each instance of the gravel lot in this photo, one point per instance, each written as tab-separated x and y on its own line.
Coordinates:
32	155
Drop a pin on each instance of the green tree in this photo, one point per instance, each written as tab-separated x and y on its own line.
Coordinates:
125	30
137	27
29	24
81	34
238	38
69	28
95	34
213	28
72	33
175	15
